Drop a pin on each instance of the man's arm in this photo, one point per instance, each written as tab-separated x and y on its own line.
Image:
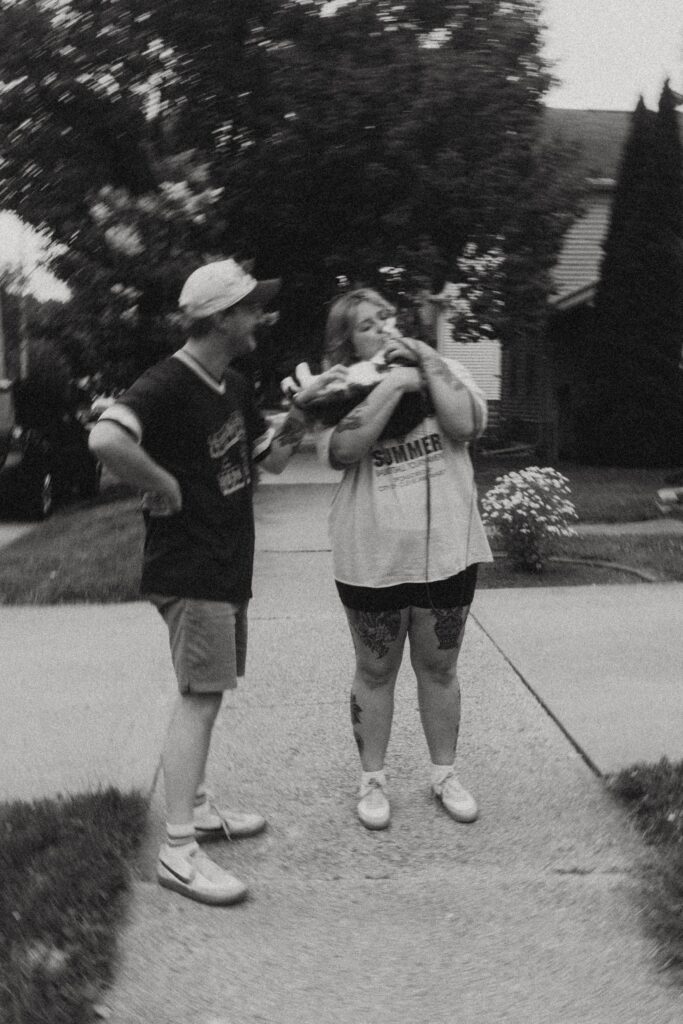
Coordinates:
290	433
354	436
119	452
286	441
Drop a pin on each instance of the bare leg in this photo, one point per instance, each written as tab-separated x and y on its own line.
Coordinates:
378	638
185	752
435	639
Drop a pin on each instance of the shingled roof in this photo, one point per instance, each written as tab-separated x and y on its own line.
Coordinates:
601	135
578	266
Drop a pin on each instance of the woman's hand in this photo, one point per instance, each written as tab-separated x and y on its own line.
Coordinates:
404	350
304	387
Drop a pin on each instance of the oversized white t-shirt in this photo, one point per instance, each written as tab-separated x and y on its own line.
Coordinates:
407	512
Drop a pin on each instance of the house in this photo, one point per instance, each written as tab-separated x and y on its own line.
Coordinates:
482	358
530	392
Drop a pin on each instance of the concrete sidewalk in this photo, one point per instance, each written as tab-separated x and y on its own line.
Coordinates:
86	694
606	662
529	916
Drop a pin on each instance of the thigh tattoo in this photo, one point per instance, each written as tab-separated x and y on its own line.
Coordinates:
448	626
377	630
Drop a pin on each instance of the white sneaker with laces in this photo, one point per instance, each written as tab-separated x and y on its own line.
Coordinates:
187	870
460	804
212	822
373	807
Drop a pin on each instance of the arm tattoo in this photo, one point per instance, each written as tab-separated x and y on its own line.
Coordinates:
353	421
377	630
435	367
449	627
291	434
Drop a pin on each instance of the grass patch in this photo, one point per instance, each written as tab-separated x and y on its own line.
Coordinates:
601	494
660	554
65	877
89	554
653	795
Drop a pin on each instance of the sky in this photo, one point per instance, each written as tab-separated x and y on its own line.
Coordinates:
606	53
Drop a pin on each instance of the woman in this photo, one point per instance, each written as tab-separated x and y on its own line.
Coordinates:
406	538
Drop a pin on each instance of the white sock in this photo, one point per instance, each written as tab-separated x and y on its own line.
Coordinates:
379	775
200	796
179	835
439	773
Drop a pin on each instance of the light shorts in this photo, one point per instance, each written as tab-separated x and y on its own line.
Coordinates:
208	642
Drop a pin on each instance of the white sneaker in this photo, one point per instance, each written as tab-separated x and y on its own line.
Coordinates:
373	807
212	822
460	804
187	870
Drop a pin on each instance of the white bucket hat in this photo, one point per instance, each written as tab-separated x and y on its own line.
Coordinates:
217	286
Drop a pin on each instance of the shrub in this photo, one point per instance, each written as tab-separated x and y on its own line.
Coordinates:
529	509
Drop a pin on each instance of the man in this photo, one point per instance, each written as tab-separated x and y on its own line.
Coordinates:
187	434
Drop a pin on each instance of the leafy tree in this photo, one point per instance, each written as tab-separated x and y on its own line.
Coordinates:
632	412
387	135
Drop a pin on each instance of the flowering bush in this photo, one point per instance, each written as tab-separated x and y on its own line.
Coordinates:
528	510
475	303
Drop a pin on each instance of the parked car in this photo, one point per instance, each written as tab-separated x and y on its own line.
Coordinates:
44	457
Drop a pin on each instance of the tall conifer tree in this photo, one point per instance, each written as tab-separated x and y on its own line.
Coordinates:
632	414
668	211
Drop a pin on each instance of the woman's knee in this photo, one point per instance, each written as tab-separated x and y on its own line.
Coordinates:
376	674
435	669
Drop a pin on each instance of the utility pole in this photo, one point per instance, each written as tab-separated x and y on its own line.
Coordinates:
3	361
23	334
23	331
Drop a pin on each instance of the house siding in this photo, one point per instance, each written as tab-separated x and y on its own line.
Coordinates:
483	360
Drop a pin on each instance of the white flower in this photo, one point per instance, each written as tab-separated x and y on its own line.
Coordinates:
528	508
99	213
124	239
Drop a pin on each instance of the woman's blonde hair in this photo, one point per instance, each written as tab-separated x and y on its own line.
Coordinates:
341	320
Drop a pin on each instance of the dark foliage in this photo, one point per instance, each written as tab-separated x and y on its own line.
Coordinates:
632	410
342	144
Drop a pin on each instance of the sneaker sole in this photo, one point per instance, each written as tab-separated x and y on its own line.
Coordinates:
208	899
215	834
461	819
374	826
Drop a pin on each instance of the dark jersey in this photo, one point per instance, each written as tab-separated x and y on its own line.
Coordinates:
208	438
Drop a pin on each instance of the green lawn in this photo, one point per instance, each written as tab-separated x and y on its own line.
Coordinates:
65	867
89	553
601	494
653	794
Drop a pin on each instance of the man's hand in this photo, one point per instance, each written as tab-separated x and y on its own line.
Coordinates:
163	503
